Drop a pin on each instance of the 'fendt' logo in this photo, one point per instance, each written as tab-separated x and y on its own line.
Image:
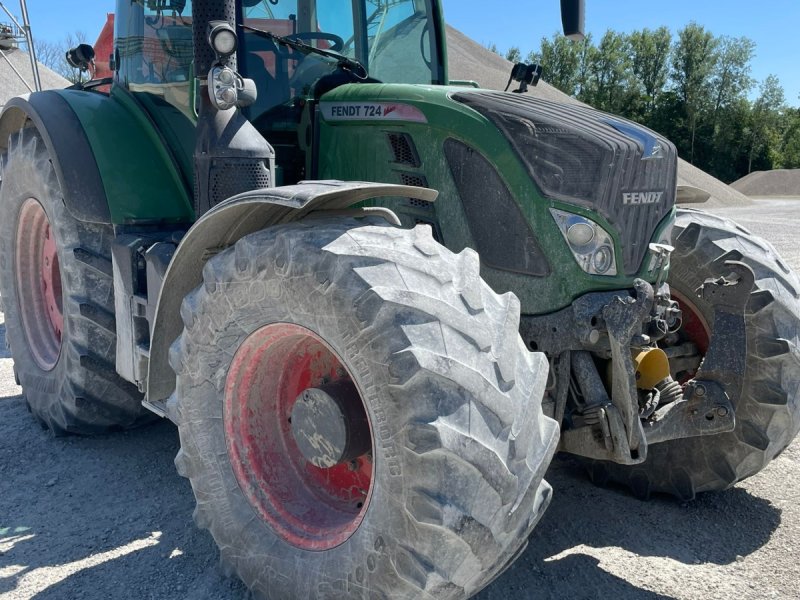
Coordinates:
641	197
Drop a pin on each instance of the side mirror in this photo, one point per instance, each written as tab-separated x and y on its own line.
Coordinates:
81	57
573	17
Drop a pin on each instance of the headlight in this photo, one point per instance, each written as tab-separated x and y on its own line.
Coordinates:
223	87
222	38
591	245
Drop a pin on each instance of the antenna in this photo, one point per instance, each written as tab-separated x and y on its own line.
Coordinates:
11	34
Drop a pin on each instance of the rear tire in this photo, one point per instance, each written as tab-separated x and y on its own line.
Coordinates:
453	398
768	411
62	332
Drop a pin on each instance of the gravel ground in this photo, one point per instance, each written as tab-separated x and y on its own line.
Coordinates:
108	517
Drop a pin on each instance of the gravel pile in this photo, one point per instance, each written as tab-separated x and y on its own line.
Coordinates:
469	60
780	183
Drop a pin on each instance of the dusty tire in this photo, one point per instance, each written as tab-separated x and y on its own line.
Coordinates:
459	442
768	412
66	371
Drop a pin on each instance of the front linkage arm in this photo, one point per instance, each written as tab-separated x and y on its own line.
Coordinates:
711	397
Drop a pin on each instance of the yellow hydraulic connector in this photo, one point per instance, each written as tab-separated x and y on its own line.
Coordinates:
652	367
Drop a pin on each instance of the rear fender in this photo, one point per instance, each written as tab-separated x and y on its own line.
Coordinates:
109	157
69	148
223	226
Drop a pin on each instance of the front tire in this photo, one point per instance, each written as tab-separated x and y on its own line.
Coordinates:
768	411
58	296
451	486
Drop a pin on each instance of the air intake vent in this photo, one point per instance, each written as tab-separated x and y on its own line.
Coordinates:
413	179
404	150
502	235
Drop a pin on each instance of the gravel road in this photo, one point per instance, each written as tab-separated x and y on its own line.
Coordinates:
108	517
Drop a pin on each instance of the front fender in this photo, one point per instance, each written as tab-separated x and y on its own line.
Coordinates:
223	226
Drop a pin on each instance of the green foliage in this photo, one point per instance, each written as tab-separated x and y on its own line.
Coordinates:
514	54
650	66
559	57
790	144
609	68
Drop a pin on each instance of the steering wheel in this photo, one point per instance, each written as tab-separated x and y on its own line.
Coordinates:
307	36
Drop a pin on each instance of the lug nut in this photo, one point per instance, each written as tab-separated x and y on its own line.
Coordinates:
722	411
700	390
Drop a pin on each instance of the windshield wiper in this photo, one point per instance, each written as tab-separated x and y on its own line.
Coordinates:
345	62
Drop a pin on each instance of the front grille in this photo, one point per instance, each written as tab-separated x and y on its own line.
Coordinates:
576	154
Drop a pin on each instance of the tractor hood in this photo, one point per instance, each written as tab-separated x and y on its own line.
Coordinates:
510	168
575	154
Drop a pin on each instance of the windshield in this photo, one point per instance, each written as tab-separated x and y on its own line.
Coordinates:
391	38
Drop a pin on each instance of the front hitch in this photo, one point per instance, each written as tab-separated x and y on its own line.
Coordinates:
710	398
611	429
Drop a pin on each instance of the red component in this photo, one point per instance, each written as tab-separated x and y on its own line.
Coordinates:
694	329
309	507
694	326
39	284
51	282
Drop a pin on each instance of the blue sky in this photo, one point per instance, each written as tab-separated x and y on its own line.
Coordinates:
774	24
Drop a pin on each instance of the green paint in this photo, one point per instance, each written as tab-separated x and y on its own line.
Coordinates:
358	150
143	184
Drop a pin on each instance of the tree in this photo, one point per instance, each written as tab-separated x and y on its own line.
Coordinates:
765	120
586	52
609	69
693	58
559	59
53	55
514	54
493	48
650	64
790	144
731	76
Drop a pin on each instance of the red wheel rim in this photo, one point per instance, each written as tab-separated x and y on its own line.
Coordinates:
309	507
694	328
39	284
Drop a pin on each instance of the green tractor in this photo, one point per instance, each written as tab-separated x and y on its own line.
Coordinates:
239	232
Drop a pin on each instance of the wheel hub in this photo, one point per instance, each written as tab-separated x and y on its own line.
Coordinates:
310	481
329	425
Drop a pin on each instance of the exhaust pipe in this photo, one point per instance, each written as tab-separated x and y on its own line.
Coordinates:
573	17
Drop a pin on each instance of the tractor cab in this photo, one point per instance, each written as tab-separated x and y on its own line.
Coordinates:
395	41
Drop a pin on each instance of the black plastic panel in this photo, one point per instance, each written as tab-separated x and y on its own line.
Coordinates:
574	153
502	235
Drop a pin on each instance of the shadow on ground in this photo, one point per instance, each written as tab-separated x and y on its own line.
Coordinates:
98	518
85	511
708	530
